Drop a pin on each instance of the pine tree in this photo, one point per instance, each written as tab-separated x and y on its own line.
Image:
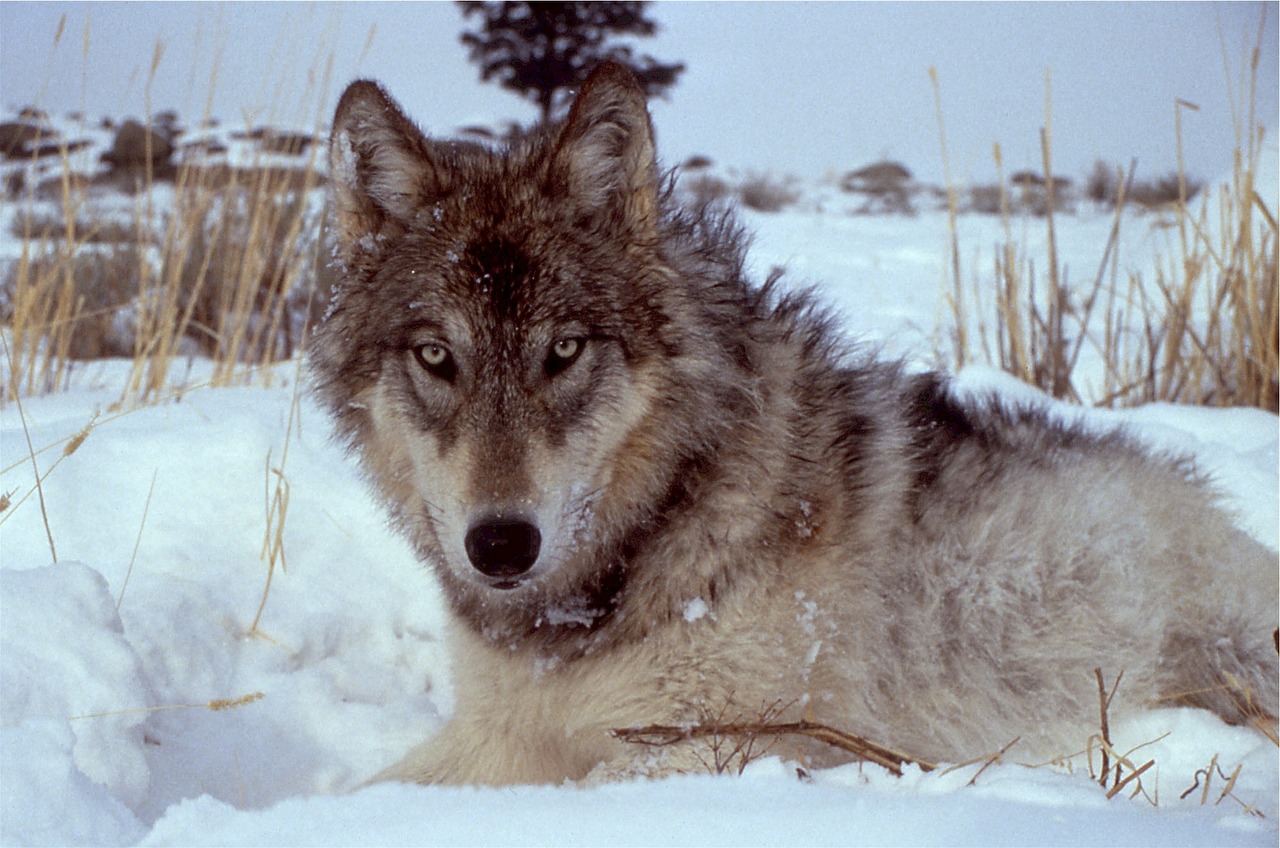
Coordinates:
544	50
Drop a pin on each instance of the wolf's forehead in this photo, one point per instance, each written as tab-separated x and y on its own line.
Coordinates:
499	270
493	276
497	257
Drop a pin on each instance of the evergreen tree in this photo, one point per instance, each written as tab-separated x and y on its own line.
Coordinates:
544	50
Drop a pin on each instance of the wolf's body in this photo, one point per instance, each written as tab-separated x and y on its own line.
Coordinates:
653	493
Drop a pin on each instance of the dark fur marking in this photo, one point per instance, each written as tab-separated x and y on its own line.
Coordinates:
938	424
500	268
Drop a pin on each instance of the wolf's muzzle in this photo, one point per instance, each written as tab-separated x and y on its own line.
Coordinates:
503	549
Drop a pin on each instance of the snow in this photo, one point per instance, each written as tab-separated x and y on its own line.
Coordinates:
695	609
138	705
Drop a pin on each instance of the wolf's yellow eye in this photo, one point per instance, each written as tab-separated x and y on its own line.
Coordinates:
437	360
563	354
566	348
432	355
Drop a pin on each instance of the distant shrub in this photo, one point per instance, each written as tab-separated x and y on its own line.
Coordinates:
886	186
985	199
138	147
1032	194
1025	195
1101	184
704	189
876	176
90	227
16	137
103	283
273	140
766	193
1163	191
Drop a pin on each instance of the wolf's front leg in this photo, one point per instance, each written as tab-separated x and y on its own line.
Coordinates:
441	759
482	754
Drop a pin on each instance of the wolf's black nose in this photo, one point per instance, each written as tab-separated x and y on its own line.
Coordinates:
502	548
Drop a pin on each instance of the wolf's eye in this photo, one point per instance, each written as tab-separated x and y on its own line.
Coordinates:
437	360
563	354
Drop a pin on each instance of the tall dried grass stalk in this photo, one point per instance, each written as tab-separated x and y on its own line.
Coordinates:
956	297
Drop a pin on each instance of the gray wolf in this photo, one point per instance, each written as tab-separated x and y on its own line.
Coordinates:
654	492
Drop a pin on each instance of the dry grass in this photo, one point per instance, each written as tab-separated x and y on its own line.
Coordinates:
1201	330
1207	774
219	263
960	327
235	265
216	705
276	501
1125	770
35	469
767	193
1118	771
137	542
1209	316
1034	329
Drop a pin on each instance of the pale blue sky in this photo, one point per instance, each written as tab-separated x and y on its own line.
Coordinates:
805	88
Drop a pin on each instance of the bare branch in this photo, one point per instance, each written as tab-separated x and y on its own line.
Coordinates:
658	735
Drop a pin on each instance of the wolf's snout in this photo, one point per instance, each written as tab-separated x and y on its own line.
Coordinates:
501	548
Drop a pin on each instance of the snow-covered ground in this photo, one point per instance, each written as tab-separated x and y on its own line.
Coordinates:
137	705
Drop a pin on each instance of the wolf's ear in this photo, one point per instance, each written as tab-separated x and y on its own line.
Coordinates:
604	156
381	170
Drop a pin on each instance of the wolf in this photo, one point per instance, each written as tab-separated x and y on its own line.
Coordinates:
657	493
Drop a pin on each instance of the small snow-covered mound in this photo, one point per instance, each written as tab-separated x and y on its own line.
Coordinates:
69	776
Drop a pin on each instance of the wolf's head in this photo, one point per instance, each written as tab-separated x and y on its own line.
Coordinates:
527	347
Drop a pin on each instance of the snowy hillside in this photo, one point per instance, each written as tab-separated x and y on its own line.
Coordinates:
139	705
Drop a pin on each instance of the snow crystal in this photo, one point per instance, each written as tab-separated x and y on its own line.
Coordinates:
803	525
545	665
574	611
812	656
807	619
695	610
